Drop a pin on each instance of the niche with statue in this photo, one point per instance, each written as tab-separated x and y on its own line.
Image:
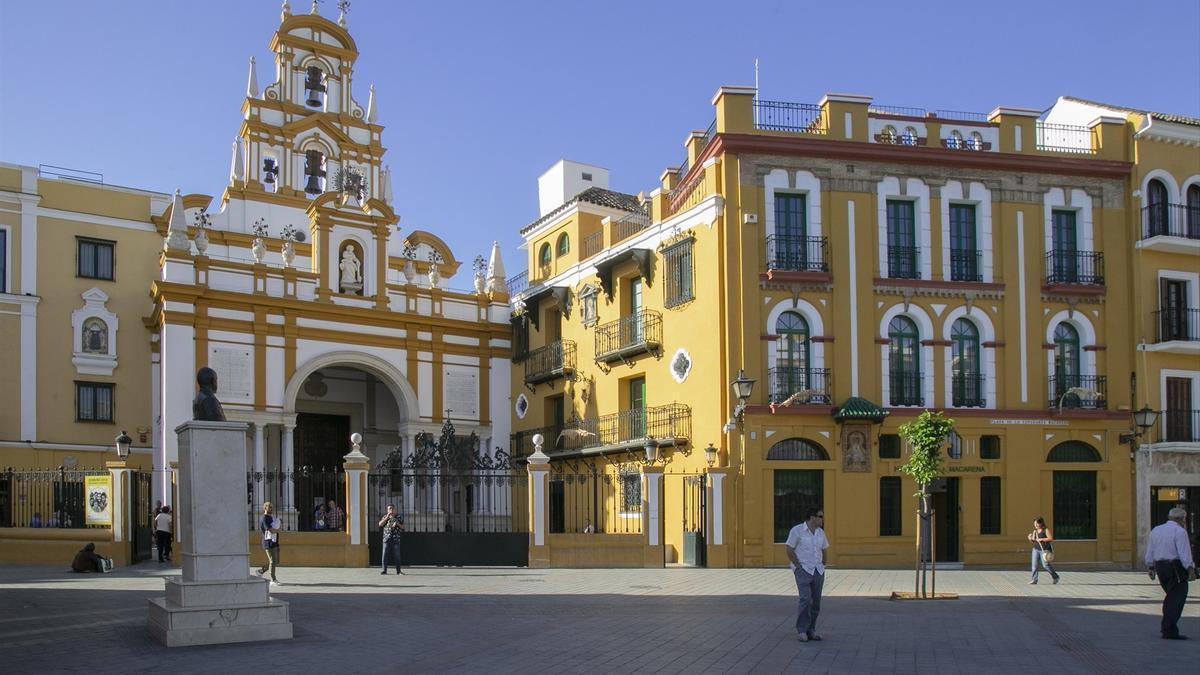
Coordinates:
350	268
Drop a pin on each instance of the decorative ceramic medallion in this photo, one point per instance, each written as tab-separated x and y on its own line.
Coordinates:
522	406
681	365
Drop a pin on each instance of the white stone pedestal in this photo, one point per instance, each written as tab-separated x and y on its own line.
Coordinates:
216	600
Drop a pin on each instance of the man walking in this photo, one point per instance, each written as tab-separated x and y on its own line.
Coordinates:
1169	557
391	526
806	545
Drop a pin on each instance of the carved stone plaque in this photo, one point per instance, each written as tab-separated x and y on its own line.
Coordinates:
460	393
235	372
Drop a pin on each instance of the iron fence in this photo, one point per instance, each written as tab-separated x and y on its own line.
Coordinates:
1077	391
709	133
801	118
796	253
1067	138
48	498
441	500
791	385
1177	323
628	225
899	110
592	245
965	265
671	421
518	282
961	115
595	500
1171	220
297	497
1180	426
553	361
629	334
1075	267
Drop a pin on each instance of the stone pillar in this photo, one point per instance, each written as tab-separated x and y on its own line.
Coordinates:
357	465
260	461
653	546
539	505
215	601
718	485
287	493
122	519
173	500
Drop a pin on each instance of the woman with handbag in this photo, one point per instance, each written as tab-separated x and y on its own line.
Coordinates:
1043	550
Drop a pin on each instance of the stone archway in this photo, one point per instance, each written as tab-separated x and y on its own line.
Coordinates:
389	375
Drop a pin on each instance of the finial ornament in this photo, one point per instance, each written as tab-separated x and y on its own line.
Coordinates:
286	12
314	7
343	9
252	81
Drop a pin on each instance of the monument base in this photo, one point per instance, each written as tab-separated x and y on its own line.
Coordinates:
217	612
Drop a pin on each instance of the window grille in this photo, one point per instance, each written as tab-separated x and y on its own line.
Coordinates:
889	446
1075	504
678	288
889	506
795	492
989	505
989	447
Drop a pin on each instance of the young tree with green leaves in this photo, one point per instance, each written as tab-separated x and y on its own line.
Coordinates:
925	438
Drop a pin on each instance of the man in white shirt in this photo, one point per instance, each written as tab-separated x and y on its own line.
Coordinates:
806	545
1169	556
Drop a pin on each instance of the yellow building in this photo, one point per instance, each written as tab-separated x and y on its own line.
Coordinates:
860	263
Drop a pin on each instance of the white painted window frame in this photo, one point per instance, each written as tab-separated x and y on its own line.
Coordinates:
917	192
980	197
924	332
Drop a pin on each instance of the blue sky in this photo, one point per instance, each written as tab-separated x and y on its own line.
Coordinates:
479	98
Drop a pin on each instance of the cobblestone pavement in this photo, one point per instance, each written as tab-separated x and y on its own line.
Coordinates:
567	621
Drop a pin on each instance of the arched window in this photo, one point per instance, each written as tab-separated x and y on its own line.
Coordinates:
1193	211
800	449
909	137
1067	372
1157	208
888	135
1073	451
955	141
564	244
544	255
95	337
967	384
793	351
976	142
905	365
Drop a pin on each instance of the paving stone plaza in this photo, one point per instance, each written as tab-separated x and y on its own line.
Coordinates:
668	620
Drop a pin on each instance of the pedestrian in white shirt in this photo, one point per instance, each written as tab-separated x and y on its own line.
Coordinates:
162	534
806	545
1169	557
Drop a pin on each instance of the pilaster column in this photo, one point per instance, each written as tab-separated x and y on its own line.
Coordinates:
172	498
287	465
539	506
260	455
652	518
717	484
122	519
357	465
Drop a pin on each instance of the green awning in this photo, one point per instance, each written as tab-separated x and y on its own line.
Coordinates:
856	408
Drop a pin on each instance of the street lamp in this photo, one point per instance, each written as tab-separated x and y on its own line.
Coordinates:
1142	420
743	387
651	448
710	454
123	442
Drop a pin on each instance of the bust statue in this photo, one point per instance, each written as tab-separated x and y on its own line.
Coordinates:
350	267
206	407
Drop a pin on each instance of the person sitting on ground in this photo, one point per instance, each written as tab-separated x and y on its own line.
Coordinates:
36	521
87	560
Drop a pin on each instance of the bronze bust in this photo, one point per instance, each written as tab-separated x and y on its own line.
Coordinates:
206	407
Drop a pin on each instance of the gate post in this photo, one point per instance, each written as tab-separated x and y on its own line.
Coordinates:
539	503
717	484
122	511
356	465
653	544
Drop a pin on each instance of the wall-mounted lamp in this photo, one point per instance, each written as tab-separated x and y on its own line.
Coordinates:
123	441
710	454
651	448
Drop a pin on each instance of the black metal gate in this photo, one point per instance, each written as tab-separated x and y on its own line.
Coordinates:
141	524
459	507
695	521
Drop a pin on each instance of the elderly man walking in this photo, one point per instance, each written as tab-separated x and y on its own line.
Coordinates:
806	544
1169	557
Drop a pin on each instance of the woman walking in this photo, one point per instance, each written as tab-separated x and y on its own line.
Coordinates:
269	526
1042	551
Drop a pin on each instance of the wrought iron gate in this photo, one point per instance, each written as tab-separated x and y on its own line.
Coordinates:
459	507
141	535
695	521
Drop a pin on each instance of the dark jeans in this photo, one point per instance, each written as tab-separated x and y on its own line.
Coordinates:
163	542
1035	560
1172	576
809	588
391	553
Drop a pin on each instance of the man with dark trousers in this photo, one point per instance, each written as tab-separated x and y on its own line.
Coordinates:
391	526
1169	557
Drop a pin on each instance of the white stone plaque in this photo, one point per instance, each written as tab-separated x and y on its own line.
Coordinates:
235	372
460	392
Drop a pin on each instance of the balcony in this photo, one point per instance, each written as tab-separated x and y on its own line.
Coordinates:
551	362
795	385
593	244
1078	391
797	254
1177	323
639	333
1180	426
797	118
905	389
966	265
1081	268
902	262
627	226
517	283
520	444
1171	220
666	423
1065	138
967	390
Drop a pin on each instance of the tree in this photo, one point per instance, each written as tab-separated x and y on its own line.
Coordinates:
925	438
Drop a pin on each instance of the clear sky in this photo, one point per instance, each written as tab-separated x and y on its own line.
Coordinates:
479	98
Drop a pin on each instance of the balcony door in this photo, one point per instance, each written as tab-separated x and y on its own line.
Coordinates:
792	356
791	231
1158	210
1179	410
964	363
1173	317
635	310
1066	359
901	240
964	252
637	408
904	361
1066	247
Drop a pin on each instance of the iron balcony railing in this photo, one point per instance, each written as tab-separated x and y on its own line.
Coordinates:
1177	323
895	110
628	225
1075	267
664	422
796	385
905	388
902	262
967	390
800	118
1180	426
633	334
520	444
1078	391
1171	220
1067	138
961	115
965	265
708	136
797	254
592	245
517	282
684	166
553	361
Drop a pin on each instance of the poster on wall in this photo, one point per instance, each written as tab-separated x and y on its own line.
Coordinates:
99	500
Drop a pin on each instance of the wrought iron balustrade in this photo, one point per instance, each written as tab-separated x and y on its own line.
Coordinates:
629	335
902	111
664	422
1078	391
1177	323
906	388
46	498
960	115
517	282
796	253
295	497
520	444
628	225
966	265
1171	220
553	361
1067	138
1075	267
1180	426
967	390
903	262
592	245
800	118
797	385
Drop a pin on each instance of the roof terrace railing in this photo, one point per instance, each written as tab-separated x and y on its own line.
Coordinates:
801	118
1065	138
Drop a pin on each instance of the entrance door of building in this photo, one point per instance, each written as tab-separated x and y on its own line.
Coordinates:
946	518
1163	499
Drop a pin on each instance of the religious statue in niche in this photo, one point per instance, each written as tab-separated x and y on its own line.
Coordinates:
351	267
206	407
95	337
856	448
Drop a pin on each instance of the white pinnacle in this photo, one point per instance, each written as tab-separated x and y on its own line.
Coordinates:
287	11
385	192
252	82
495	272
177	226
314	8
371	114
237	169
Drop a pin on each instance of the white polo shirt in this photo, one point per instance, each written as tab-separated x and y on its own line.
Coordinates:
808	546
